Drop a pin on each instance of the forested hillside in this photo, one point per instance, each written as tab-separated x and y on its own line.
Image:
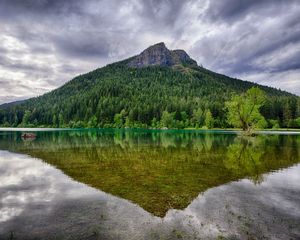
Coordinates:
179	95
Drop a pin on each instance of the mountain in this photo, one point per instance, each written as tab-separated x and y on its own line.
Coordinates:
157	88
158	54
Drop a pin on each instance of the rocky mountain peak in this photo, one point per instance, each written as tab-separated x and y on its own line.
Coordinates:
160	55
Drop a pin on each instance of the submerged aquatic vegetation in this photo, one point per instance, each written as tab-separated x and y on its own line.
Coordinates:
158	170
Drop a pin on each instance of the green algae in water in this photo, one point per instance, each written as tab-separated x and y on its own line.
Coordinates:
155	169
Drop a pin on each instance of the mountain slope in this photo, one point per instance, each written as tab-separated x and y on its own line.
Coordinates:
7	105
157	88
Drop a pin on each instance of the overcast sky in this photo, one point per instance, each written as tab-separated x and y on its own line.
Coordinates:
45	43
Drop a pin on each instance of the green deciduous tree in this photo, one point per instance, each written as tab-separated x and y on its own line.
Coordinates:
243	110
92	123
126	97
209	120
198	117
26	116
167	119
119	119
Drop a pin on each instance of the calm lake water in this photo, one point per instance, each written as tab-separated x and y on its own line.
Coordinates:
138	184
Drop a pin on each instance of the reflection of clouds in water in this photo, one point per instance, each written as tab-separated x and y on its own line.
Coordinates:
8	213
24	180
283	180
269	208
282	191
51	203
36	198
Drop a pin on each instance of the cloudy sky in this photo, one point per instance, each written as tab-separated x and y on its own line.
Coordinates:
45	43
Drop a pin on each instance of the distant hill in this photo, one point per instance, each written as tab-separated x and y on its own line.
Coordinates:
7	105
157	88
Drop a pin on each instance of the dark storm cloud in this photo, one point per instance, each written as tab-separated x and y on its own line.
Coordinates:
47	42
86	28
70	69
230	10
55	24
162	11
39	7
254	38
82	45
17	65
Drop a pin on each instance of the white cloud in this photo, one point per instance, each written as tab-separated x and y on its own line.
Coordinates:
48	44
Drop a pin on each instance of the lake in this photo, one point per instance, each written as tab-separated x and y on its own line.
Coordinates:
149	184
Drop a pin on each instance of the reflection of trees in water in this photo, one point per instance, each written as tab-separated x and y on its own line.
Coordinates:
252	156
245	156
131	139
157	169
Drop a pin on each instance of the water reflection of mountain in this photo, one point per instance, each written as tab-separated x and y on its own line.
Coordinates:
158	170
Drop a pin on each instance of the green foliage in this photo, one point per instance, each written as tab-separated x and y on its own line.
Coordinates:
60	120
92	122
198	117
298	122
25	120
54	121
274	124
79	124
209	120
119	119
243	110
167	119
117	96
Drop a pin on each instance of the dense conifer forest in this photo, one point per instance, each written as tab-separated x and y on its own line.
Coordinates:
117	96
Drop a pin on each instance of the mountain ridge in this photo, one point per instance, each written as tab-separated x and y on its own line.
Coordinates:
159	54
157	88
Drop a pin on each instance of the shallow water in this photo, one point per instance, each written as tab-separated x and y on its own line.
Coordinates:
125	184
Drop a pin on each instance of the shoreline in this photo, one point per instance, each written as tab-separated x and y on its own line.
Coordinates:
213	130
